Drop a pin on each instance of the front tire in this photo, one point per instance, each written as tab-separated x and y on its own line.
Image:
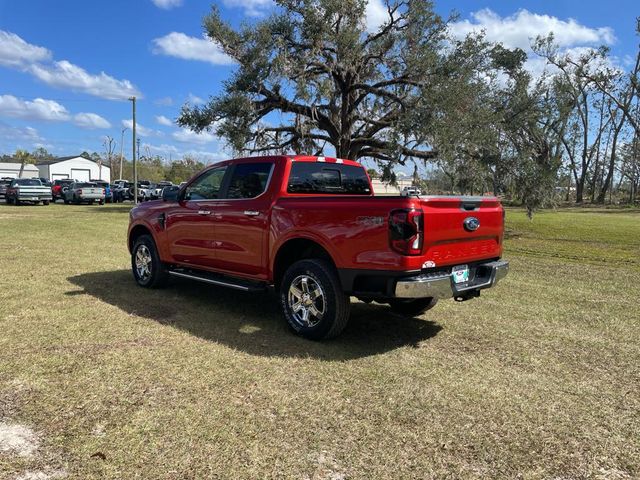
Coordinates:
313	303
413	307
148	270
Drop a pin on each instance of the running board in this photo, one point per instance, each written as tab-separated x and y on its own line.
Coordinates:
220	280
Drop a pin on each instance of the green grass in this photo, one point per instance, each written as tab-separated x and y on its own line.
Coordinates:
539	378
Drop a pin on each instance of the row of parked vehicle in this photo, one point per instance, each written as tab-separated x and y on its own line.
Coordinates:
39	190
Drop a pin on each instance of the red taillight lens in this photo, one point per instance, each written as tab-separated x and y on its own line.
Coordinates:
406	231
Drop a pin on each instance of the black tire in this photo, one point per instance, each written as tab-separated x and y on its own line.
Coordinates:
100	202
412	307
66	202
331	304
45	202
16	202
157	276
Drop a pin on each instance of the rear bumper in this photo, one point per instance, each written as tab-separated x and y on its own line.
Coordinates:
441	285
34	197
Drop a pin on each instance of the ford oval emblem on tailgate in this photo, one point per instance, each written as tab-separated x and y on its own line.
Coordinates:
471	224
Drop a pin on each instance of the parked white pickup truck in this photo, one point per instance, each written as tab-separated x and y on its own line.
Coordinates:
31	190
84	192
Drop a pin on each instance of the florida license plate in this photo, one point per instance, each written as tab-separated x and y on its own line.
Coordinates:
460	274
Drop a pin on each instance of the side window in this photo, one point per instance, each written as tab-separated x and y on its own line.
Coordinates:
207	186
249	180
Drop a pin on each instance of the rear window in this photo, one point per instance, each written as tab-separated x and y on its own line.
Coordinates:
328	178
28	182
85	185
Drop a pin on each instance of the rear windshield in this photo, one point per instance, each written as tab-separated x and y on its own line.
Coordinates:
85	185
28	182
328	178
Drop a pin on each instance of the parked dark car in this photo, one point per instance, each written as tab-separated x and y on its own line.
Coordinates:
108	195
59	188
84	192
120	191
27	190
4	183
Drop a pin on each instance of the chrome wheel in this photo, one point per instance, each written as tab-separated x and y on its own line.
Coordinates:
143	263
307	301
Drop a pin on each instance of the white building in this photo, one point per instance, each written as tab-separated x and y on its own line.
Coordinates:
75	168
12	170
381	188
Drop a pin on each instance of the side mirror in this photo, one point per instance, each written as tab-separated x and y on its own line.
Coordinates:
170	194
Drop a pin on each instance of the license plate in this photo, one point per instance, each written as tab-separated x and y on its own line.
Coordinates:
35	198
460	274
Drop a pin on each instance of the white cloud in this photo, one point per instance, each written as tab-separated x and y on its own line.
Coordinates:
141	131
15	52
195	100
164	101
18	54
253	8
521	28
91	121
188	136
29	134
376	15
162	120
64	74
38	109
163	149
167	4
179	45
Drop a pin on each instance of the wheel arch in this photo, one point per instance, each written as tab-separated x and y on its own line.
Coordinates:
294	250
136	232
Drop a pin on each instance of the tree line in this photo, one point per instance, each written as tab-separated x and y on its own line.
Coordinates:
314	78
152	168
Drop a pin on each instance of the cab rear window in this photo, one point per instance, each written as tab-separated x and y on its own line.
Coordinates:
328	178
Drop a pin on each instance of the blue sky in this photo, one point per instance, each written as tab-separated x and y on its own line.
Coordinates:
66	66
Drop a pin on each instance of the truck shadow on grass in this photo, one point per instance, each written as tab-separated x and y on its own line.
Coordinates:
252	323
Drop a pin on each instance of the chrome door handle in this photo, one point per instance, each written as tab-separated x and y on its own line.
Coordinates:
251	213
204	212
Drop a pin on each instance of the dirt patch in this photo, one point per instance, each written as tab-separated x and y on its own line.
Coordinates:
42	475
18	440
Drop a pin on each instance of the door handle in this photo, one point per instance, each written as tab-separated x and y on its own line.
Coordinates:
204	212
251	213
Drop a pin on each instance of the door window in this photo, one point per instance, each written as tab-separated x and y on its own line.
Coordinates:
249	180
207	186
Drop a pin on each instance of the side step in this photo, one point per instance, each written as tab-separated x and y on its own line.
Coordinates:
220	280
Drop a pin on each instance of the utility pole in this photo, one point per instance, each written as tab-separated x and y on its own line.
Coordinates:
121	149
135	166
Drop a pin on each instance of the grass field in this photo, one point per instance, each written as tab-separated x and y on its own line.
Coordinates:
539	378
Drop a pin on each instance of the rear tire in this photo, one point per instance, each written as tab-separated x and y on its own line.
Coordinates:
45	202
148	269
312	300
412	307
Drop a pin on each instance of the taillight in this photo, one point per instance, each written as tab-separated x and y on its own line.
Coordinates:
104	192
79	191
406	231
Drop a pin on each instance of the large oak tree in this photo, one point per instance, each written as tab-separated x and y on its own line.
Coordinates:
315	78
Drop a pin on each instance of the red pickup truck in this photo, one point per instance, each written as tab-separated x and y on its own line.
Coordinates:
311	228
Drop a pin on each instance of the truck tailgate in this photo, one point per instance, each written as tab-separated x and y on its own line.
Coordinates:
461	229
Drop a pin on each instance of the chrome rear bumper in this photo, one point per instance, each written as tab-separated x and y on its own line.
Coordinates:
441	285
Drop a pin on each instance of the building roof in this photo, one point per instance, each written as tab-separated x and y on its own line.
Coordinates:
61	159
16	166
